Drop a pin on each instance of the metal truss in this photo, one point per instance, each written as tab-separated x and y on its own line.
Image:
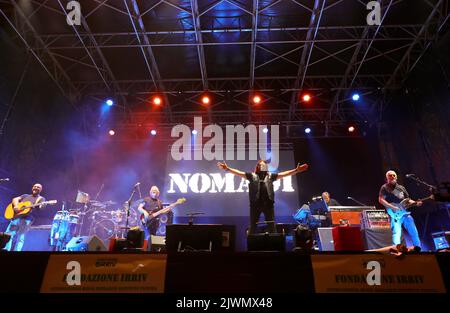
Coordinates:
356	46
38	48
426	35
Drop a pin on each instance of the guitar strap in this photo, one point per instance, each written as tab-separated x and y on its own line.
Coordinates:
37	200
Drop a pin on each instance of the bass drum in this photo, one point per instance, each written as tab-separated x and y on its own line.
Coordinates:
105	229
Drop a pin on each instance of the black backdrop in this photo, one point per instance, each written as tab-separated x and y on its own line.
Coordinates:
342	166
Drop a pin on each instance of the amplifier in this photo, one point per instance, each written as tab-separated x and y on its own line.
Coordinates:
375	219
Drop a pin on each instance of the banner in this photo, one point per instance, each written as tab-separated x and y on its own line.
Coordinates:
105	273
371	273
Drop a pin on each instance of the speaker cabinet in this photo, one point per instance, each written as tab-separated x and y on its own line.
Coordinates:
266	242
86	243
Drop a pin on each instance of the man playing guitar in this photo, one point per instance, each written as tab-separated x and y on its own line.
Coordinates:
150	209
395	199
19	225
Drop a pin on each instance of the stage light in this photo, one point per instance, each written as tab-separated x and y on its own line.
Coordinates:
256	99
206	100
351	129
265	130
307	130
306	97
111	132
157	100
194	132
153	132
355	97
110	102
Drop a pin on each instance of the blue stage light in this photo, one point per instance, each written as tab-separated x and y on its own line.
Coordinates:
307	130
110	102
355	97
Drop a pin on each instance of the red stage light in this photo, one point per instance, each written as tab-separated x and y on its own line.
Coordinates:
111	132
206	100
351	129
256	99
306	97
157	100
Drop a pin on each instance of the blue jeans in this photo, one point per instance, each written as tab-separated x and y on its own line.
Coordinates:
407	222
17	229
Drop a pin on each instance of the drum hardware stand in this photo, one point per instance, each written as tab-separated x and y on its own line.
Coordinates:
191	216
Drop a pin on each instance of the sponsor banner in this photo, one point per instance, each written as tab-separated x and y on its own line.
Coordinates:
371	273
105	273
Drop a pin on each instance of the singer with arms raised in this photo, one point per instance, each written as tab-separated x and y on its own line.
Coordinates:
261	192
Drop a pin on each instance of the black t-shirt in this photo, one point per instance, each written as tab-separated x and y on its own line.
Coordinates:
333	202
152	205
33	200
261	189
393	194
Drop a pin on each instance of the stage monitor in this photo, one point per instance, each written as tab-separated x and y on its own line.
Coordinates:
200	238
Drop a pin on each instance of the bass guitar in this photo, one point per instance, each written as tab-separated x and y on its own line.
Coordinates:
402	207
146	218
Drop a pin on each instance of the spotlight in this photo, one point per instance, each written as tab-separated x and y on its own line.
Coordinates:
194	132
153	132
110	102
206	100
306	97
265	130
351	129
355	97
307	130
256	99
157	100
111	132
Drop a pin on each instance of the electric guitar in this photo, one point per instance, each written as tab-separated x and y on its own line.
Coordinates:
401	208
147	218
23	208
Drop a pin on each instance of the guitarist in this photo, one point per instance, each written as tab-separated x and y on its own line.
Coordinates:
18	227
149	206
393	193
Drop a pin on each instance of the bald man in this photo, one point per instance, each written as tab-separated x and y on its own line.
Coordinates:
19	226
393	193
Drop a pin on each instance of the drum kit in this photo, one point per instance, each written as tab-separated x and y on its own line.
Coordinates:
106	221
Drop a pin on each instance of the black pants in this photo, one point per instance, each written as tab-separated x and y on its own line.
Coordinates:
266	207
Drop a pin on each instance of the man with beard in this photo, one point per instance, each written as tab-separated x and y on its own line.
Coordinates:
261	192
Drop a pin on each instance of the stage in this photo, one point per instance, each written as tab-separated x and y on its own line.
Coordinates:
223	273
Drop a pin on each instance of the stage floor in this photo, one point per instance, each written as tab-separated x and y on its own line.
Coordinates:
223	273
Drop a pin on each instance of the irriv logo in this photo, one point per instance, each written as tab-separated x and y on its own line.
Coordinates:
213	148
73	278
374	16
74	16
374	276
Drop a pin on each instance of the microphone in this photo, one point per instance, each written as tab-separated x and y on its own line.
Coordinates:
4	179
136	185
410	175
353	199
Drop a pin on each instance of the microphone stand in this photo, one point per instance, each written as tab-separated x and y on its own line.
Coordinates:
419	181
128	206
360	203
